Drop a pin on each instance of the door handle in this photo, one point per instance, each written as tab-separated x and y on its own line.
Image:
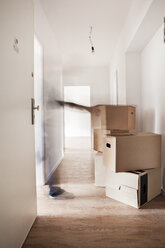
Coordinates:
33	108
36	108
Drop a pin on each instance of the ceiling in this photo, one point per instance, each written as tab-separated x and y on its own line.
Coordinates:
71	20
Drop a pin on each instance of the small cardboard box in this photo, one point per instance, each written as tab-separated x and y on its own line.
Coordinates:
133	152
114	117
99	135
134	188
100	170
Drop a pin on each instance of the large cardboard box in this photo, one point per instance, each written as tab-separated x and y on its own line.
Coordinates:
99	135
114	117
100	170
134	188
133	152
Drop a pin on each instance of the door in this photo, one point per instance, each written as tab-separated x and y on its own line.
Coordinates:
17	158
39	127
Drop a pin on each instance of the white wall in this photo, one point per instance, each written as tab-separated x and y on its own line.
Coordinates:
153	88
135	17
144	18
133	84
53	89
95	77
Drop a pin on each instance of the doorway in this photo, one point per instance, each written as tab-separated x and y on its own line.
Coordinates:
39	126
77	122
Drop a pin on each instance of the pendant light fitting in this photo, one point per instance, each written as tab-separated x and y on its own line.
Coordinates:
90	39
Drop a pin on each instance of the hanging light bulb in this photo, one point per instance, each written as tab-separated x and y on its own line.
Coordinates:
90	39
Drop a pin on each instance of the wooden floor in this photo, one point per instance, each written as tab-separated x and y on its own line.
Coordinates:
90	219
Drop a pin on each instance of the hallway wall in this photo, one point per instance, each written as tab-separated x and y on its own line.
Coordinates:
153	88
53	89
97	77
136	15
133	84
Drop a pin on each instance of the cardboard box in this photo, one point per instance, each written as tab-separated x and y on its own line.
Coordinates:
100	170
133	152
114	117
99	135
134	188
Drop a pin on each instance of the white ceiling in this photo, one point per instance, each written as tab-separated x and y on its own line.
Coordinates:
71	20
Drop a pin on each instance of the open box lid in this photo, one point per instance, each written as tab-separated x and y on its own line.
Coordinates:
128	179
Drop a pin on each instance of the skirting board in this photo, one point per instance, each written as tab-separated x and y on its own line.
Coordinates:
54	168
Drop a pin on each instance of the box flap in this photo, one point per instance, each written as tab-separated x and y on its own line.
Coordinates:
129	179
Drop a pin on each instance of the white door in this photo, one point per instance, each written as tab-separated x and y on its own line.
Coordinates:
39	127
17	158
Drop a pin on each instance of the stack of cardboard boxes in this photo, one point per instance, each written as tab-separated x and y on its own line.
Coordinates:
127	164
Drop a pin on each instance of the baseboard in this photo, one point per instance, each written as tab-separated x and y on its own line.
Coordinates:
54	168
163	192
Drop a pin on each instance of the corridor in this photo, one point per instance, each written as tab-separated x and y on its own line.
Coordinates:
90	219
